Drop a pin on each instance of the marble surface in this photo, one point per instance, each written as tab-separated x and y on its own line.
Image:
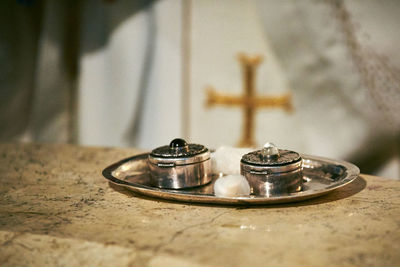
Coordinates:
57	209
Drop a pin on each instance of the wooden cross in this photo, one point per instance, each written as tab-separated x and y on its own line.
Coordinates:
250	101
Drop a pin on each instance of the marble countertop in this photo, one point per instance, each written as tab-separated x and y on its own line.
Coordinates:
57	209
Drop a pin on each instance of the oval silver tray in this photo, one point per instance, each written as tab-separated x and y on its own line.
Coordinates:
321	176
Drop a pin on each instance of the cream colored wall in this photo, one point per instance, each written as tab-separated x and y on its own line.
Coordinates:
220	30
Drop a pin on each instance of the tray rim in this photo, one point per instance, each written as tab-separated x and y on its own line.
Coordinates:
352	173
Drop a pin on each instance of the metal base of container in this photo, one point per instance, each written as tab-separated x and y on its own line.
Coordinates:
272	184
182	176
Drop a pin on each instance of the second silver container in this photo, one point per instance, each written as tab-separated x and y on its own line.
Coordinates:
272	171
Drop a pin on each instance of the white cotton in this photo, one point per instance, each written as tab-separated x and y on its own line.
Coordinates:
231	186
227	159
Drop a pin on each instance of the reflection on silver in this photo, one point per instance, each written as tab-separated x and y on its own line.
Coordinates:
321	176
267	188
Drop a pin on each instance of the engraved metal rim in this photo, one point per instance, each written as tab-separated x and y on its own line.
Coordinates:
178	154
275	162
271	169
182	196
180	161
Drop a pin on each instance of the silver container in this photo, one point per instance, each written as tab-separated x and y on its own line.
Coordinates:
272	171
179	165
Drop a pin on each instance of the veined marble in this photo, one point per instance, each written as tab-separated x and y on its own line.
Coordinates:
57	209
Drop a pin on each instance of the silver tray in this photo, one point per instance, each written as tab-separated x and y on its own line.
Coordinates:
321	176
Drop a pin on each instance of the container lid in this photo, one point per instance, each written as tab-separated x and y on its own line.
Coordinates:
179	152
271	159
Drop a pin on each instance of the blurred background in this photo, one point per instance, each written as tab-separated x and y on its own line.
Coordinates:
135	74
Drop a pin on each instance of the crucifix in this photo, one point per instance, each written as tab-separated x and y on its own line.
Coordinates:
249	101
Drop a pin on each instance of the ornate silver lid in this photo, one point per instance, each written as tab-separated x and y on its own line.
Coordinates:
179	152
271	159
178	148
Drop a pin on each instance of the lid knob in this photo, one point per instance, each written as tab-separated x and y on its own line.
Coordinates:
269	151
178	145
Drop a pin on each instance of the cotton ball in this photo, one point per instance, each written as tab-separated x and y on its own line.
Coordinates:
227	159
231	186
